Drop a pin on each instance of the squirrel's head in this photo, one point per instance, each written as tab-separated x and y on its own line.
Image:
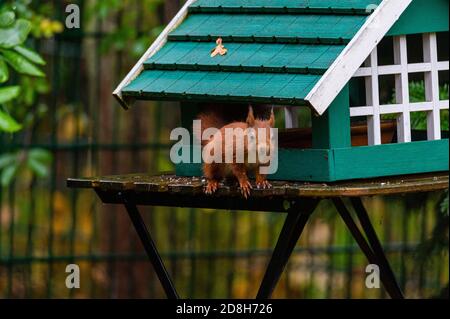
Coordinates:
260	133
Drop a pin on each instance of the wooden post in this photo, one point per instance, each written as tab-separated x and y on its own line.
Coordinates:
332	129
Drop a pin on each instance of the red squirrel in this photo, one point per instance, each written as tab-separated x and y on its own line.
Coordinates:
219	117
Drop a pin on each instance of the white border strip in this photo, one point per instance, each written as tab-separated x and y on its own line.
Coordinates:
159	42
355	53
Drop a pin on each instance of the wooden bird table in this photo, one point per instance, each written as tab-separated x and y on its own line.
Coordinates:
297	200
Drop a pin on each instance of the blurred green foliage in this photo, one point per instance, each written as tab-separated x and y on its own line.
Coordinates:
417	94
22	80
128	35
22	70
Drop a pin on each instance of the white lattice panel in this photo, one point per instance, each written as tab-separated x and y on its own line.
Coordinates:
403	107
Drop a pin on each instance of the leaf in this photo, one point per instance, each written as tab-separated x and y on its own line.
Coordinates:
7	19
444	92
8	174
15	34
21	64
40	169
30	54
9	93
4	72
8	124
41	85
40	154
219	49
7	159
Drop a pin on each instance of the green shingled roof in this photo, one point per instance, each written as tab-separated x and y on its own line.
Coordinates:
277	50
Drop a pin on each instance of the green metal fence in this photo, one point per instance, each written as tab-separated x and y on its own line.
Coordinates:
44	226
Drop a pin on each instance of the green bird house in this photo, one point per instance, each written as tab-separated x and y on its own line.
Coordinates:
364	72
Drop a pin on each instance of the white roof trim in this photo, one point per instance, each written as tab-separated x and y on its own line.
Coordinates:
355	53
159	42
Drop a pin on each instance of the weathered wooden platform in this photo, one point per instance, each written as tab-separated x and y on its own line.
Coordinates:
169	183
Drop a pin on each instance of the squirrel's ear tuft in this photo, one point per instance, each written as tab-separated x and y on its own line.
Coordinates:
272	118
250	117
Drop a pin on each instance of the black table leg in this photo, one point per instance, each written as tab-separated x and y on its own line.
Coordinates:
149	246
374	256
294	224
375	244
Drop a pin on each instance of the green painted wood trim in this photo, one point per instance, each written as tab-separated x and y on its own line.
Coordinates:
391	159
269	28
245	57
261	39
423	16
294	165
304	165
285	6
235	68
332	129
216	98
280	10
276	88
353	162
187	169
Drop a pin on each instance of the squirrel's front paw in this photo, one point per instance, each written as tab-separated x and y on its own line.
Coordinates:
263	184
246	188
211	187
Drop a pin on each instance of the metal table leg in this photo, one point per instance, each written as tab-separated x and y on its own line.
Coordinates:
372	248
149	246
294	224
